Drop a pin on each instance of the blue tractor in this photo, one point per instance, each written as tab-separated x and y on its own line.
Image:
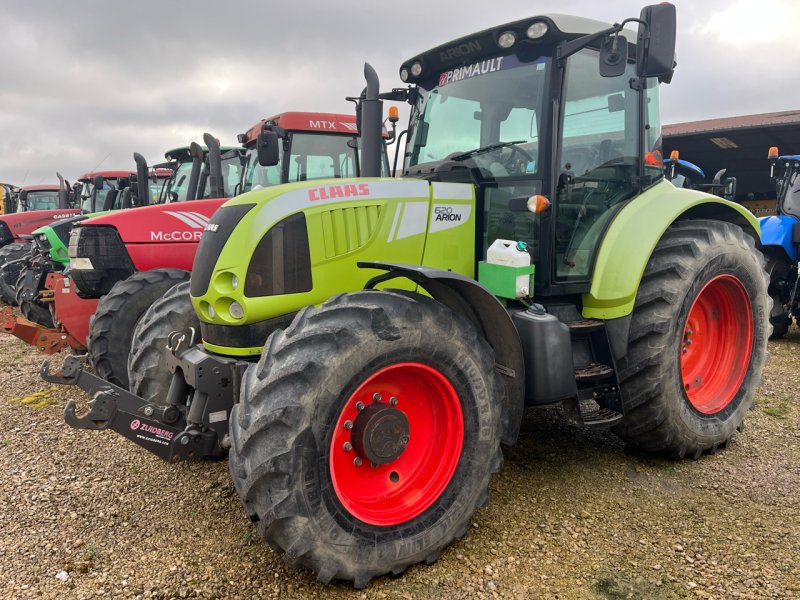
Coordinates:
780	236
685	174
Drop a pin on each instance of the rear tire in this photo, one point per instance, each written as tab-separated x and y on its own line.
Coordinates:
112	325
781	279
296	476
10	268
148	374
705	285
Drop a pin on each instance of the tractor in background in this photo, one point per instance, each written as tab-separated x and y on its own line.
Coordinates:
36	205
780	236
368	343
8	198
685	174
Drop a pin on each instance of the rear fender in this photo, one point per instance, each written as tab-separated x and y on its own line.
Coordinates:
633	235
779	231
475	302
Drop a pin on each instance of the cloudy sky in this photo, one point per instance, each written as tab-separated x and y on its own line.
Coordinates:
88	82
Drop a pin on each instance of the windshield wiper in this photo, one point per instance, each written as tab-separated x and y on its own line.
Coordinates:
485	149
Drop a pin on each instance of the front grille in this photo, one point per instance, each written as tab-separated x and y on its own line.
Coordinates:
5	234
110	261
251	335
217	232
281	263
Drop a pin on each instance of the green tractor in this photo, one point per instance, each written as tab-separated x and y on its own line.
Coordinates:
368	344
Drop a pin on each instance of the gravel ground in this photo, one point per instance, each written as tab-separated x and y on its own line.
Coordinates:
573	514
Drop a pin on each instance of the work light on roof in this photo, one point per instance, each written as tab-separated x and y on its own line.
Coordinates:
404	74
507	39
536	30
416	69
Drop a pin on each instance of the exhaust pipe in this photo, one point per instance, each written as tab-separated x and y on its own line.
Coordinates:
197	154
142	180
371	125
215	185
63	192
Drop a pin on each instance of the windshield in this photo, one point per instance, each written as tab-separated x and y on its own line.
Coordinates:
179	182
87	194
479	105
42	200
257	176
315	156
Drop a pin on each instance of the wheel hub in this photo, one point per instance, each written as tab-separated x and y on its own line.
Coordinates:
380	433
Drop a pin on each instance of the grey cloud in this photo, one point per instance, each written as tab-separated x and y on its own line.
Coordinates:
82	79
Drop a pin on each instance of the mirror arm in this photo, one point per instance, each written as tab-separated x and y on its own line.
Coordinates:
566	49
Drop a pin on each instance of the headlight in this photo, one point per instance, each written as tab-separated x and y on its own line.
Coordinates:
236	310
537	30
81	264
507	39
416	69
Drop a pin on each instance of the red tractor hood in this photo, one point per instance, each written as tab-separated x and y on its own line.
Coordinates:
175	222
25	223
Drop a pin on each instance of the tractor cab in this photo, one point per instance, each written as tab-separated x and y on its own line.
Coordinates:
38	197
100	190
787	183
191	169
529	109
298	146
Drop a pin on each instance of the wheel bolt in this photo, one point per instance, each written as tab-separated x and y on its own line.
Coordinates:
393	401
347	446
404	440
376	397
185	440
357	461
348	425
359	405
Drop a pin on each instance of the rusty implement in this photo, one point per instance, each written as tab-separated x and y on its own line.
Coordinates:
45	340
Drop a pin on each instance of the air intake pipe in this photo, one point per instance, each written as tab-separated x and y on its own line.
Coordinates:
371	125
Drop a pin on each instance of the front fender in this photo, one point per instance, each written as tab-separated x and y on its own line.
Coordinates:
634	234
470	299
777	231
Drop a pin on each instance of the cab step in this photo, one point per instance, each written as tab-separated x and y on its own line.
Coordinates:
599	417
584	326
593	373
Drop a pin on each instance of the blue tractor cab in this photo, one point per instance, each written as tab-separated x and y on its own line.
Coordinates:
780	236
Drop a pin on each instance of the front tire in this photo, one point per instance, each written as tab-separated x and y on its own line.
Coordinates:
11	265
698	340
111	326
366	434
147	371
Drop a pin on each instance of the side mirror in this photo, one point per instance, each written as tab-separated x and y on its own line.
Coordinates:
267	148
655	52
729	188
98	182
23	199
613	56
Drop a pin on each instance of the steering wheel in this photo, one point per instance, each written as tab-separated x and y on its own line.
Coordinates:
510	165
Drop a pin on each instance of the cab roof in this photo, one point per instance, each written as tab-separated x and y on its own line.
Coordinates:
315	122
106	175
182	152
476	46
42	187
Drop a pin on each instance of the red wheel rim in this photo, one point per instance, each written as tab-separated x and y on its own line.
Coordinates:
392	493
717	344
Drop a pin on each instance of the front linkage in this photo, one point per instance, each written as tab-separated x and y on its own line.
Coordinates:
176	430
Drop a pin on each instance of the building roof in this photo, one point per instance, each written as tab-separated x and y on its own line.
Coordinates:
775	119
